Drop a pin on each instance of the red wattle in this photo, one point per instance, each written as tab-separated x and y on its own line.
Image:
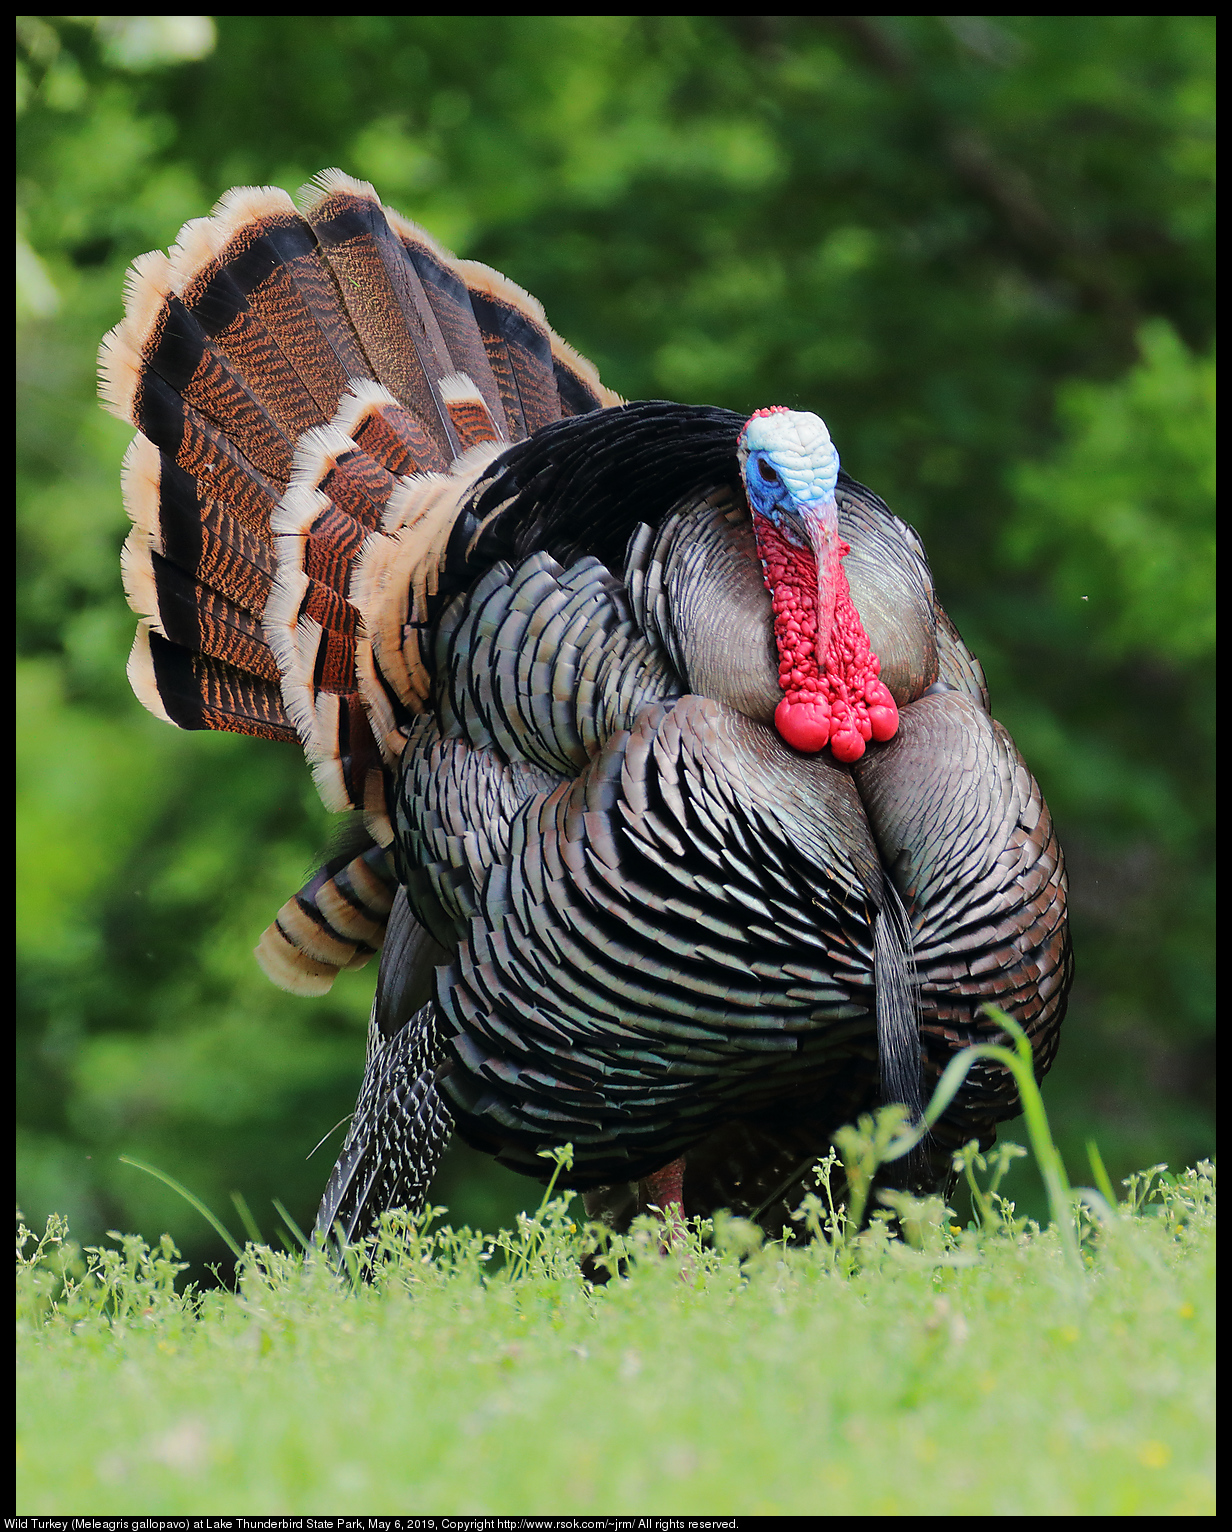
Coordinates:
882	711
841	702
847	745
804	725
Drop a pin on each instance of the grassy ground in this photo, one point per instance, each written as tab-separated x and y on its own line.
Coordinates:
990	1370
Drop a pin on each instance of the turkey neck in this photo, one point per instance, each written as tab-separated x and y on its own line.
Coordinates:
827	670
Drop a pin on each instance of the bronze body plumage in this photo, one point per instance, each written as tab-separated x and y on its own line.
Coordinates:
521	628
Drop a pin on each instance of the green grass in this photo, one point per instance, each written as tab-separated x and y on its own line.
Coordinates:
945	1371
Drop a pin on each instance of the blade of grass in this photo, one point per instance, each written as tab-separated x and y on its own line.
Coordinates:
161	1175
1102	1181
563	1157
295	1229
1020	1062
246	1218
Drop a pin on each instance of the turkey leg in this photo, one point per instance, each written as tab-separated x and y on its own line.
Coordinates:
664	1191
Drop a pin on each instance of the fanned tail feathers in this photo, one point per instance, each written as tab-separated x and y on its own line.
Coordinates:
314	392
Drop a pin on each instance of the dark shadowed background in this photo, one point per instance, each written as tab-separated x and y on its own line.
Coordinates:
981	249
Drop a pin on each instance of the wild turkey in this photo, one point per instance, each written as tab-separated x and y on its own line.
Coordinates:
687	831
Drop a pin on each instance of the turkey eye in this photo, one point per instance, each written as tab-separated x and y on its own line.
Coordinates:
767	471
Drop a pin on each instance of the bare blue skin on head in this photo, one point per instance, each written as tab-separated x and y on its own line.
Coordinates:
789	464
790	470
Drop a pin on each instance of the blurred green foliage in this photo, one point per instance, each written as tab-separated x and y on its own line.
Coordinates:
981	248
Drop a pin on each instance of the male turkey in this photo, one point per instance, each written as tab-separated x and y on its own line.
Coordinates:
688	832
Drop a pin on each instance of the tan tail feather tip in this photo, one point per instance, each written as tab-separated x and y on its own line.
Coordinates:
137	577
141	678
292	516
197	245
329	183
362	397
280	621
287	967
330	782
147	283
573	359
381	721
316	452
495	284
405	228
298	688
243	205
140	477
119	375
469	411
459	388
469	465
376	820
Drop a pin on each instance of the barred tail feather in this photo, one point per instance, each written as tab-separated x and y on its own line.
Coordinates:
316	390
384	298
198	692
336	921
